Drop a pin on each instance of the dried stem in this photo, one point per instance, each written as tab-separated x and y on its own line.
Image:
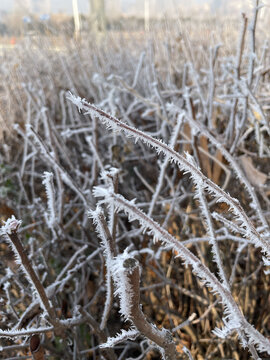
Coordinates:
36	348
163	338
184	164
239	56
232	309
34	280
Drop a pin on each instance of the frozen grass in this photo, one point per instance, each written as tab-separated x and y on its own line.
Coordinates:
189	258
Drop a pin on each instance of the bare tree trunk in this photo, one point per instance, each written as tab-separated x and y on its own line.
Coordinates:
76	16
97	15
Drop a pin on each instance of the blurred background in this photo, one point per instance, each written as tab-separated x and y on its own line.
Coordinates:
28	17
120	7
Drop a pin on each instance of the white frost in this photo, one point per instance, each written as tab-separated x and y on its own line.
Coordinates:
10	225
124	335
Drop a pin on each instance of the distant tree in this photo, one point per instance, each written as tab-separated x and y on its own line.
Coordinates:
3	29
97	15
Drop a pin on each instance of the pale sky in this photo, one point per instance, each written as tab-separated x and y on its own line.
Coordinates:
83	5
56	5
66	5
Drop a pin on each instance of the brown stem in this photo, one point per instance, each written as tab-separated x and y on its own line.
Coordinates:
109	237
241	45
112	247
36	348
252	30
101	334
58	327
163	338
238	72
115	180
31	273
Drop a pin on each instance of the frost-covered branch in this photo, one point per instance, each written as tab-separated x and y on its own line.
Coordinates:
163	167
237	170
234	316
184	164
126	274
10	230
123	336
24	332
50	192
210	229
108	244
68	180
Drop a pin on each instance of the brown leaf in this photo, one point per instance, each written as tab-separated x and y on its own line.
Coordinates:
217	168
187	135
204	159
256	177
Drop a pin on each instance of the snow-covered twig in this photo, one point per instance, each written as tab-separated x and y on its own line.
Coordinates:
24	332
165	163
53	162
108	244
127	278
184	164
48	183
236	168
10	230
236	320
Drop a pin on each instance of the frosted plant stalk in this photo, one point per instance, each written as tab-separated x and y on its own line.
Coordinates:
184	165
234	316
236	168
165	163
10	229
48	183
126	274
108	245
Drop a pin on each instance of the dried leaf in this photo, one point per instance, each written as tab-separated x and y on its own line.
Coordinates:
217	168
257	115
204	159
256	177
